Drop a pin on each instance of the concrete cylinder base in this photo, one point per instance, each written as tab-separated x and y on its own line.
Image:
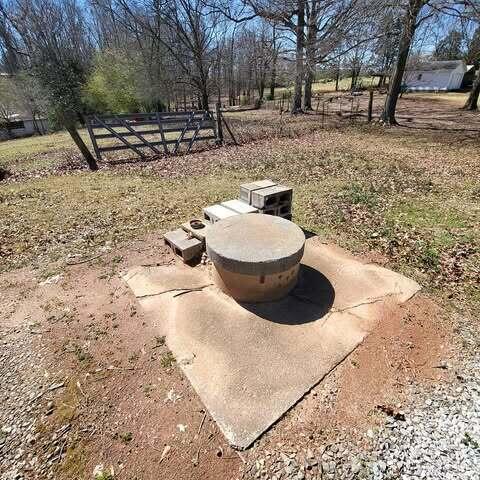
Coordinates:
255	288
255	258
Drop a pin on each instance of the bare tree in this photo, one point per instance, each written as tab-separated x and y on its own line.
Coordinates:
473	55
9	103
186	29
52	39
461	9
472	100
410	20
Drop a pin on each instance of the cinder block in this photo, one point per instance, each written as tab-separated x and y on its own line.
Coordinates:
268	211
198	233
239	206
272	197
183	245
214	213
284	210
247	189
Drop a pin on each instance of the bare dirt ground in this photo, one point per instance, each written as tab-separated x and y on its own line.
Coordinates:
124	404
86	381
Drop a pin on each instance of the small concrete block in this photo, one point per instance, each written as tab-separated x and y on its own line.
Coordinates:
239	206
271	197
247	189
198	233
182	245
284	210
214	213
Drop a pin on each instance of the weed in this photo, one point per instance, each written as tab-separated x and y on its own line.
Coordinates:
356	194
126	437
159	341
167	360
133	357
147	389
470	441
81	354
73	466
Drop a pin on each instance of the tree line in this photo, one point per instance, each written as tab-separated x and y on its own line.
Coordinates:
72	57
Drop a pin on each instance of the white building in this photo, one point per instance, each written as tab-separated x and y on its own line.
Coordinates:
23	127
436	75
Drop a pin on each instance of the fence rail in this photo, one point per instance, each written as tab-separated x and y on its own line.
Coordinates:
131	132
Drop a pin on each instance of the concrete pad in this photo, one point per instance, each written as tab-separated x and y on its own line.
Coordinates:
250	363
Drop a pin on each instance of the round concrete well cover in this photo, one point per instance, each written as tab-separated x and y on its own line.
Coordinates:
255	244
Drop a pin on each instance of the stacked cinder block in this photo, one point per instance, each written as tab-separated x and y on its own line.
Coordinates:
263	196
269	198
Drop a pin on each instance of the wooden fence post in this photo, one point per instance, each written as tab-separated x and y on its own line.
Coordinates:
370	106
218	119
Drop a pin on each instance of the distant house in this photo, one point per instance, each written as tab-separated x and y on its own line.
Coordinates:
435	75
22	126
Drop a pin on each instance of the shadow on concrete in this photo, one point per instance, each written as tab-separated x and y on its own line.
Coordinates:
309	301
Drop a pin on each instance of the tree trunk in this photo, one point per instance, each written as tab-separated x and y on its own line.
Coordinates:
88	157
261	91
472	101
310	56
273	70
307	94
300	41
337	78
395	86
272	82
204	101
353	82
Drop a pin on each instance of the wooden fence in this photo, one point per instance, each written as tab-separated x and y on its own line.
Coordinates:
157	132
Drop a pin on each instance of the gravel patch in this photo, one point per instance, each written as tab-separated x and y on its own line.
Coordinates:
25	396
437	438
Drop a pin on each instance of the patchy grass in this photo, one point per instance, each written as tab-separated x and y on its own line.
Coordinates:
167	360
325	85
30	154
458	98
411	197
20	147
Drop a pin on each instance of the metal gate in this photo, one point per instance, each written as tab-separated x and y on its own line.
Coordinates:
156	133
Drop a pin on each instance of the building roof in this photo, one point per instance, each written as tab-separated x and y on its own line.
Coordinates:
436	65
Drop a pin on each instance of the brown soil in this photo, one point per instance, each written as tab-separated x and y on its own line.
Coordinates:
118	376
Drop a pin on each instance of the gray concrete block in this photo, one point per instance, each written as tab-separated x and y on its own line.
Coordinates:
198	233
283	210
271	197
217	212
183	245
239	206
247	189
268	211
